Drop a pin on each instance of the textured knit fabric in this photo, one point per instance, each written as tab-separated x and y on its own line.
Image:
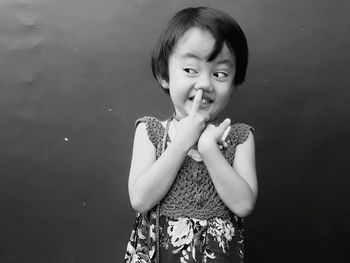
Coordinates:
193	193
194	224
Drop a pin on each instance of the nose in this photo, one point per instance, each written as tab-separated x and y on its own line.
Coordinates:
204	82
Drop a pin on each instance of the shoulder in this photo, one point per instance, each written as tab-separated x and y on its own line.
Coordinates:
240	132
151	126
148	120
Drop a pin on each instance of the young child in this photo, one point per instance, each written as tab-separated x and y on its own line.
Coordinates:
192	177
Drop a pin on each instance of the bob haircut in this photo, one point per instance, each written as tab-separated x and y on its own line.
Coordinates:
221	25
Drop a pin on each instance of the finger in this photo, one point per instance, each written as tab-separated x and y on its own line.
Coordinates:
223	143
196	102
224	128
224	125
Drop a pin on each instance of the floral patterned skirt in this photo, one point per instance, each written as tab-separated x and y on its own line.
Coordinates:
185	240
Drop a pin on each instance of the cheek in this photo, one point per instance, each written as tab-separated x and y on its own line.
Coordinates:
176	94
226	96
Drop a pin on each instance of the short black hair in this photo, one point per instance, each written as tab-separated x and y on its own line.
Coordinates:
221	25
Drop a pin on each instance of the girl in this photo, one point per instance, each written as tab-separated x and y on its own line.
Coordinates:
192	177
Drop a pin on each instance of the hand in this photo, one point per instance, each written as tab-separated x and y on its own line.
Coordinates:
191	127
212	137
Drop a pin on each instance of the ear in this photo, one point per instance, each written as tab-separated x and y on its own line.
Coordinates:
163	83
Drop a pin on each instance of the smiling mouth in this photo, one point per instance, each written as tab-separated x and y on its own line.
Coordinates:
204	101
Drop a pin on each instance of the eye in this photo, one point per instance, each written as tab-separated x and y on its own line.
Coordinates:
190	71
220	74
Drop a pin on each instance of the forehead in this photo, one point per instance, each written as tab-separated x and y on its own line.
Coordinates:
199	43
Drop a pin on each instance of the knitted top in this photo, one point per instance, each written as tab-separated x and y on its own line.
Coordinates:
193	193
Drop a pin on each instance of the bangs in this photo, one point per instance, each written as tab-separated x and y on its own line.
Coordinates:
219	24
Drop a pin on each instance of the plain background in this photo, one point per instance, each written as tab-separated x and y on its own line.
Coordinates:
75	75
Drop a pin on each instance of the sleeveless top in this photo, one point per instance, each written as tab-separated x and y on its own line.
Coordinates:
193	193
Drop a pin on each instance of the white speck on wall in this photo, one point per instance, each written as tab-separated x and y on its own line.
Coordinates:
66	139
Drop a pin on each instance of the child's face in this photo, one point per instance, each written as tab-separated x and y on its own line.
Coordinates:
189	70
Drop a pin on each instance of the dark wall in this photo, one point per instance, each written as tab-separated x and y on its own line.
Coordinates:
74	76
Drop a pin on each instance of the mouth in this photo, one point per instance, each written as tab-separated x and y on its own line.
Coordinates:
204	102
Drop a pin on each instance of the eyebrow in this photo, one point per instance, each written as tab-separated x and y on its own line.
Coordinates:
226	61
191	55
195	56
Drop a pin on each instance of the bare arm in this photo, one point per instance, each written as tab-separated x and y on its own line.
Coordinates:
151	179
237	184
